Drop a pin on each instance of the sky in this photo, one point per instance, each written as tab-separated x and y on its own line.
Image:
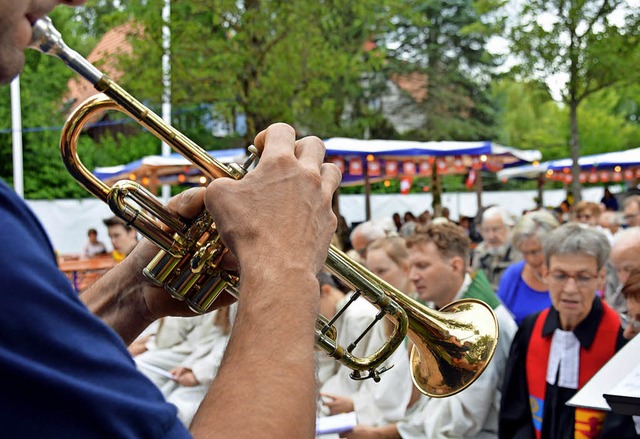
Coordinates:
556	82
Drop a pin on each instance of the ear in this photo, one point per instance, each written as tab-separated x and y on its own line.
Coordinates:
457	264
405	267
325	290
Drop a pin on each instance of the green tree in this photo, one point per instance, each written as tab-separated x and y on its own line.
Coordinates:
583	41
446	43
269	60
528	118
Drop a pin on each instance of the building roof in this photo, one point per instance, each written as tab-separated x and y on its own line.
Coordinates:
113	44
415	84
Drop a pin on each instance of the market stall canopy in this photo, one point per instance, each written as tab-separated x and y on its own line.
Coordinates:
167	169
605	167
391	158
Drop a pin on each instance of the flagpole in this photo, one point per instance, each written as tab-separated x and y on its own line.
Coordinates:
166	83
16	130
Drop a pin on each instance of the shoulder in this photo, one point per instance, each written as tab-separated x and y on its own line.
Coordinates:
514	269
507	324
509	278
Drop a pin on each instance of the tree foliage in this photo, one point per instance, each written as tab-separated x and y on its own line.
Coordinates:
446	42
585	40
324	66
269	60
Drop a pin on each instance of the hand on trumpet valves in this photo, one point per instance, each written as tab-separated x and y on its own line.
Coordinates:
153	302
281	210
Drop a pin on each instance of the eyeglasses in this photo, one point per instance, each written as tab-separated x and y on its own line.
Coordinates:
582	280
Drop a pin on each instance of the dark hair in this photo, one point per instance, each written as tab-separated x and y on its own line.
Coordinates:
92	232
115	221
326	279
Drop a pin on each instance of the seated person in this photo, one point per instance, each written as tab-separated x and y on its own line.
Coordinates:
438	255
93	247
124	238
190	349
556	351
374	403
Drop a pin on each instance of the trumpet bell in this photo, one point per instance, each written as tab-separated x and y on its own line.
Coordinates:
454	346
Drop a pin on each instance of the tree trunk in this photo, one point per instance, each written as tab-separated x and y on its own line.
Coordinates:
576	186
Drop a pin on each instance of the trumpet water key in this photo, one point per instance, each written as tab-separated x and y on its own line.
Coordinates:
451	347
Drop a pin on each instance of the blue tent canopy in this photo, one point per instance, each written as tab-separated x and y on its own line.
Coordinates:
165	167
346	147
608	160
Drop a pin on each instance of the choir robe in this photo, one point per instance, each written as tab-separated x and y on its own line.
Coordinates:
558	419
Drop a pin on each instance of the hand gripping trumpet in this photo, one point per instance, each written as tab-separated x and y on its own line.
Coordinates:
451	347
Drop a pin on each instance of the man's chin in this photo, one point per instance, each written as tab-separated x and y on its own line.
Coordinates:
10	70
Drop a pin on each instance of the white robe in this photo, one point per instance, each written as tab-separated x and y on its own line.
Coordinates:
194	343
472	413
374	403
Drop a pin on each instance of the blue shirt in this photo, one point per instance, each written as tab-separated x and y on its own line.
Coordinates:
519	297
64	372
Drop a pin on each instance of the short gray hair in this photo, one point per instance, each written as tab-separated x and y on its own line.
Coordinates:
498	212
572	239
627	238
533	225
631	199
370	230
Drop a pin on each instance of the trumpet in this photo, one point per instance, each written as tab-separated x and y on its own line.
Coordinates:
451	347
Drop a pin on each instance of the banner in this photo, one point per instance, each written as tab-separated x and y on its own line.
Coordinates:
405	184
471	179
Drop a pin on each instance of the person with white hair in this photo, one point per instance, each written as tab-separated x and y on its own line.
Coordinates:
495	253
624	258
365	233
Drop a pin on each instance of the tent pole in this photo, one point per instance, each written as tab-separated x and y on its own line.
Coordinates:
541	181
367	192
479	190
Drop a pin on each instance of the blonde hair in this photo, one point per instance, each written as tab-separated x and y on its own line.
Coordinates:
394	246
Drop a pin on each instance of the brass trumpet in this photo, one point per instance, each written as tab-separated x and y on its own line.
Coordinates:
451	348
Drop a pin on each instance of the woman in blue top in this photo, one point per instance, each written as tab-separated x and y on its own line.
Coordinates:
522	288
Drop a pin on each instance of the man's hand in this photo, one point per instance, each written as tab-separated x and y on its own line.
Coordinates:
125	300
158	302
281	210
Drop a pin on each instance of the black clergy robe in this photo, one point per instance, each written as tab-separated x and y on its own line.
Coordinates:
558	418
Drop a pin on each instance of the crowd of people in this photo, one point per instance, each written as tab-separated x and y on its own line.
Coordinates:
249	368
565	291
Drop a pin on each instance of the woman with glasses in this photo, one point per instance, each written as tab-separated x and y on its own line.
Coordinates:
523	287
556	351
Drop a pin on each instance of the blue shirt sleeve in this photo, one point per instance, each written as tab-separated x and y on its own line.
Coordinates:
65	373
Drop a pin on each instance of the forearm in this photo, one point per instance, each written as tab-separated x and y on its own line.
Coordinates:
266	383
389	431
117	299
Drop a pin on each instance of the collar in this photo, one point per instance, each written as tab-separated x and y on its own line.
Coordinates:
586	329
464	287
